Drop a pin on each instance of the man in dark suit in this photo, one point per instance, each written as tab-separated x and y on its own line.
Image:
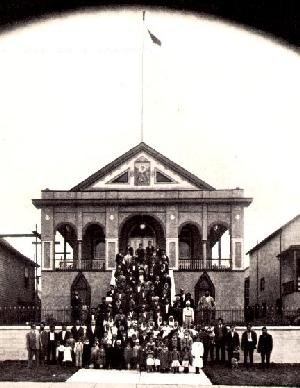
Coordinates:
111	292
33	345
44	337
265	347
166	309
188	297
181	297
177	310
52	344
248	344
220	336
140	253
76	305
232	342
77	331
63	335
150	249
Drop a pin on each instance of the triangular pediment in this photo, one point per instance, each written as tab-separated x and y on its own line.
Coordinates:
142	167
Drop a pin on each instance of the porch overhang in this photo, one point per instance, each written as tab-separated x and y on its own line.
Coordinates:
138	197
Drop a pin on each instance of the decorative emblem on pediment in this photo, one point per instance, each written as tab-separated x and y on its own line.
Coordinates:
142	172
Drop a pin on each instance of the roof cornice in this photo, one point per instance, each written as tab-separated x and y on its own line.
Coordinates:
41	203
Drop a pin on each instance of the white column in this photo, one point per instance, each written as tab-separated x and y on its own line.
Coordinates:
111	249
47	255
237	253
172	251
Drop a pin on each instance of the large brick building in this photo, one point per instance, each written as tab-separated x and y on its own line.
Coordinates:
17	277
274	273
142	196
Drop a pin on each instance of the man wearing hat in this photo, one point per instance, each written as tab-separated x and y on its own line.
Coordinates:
248	344
181	297
188	314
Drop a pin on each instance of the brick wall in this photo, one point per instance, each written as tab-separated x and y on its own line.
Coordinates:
286	343
229	286
56	287
12	279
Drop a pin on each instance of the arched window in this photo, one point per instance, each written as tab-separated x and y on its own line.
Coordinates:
93	248
65	251
190	247
219	251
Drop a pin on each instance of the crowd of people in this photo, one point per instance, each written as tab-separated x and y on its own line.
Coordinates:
138	326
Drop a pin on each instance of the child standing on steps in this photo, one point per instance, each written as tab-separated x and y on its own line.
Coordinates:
128	354
164	359
135	355
175	357
186	359
150	359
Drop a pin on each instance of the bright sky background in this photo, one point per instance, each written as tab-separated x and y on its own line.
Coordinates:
219	100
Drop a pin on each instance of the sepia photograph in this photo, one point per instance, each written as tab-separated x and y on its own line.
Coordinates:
150	206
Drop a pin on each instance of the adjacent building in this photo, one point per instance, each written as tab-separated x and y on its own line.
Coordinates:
274	273
17	277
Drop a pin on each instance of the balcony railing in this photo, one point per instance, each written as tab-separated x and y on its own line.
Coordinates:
86	265
93	265
20	315
198	264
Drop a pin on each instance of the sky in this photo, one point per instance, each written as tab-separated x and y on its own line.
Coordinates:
219	100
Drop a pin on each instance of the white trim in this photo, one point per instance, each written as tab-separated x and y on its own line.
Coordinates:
107	241
168	241
50	253
233	241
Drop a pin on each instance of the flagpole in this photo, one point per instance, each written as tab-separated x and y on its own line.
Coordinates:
142	82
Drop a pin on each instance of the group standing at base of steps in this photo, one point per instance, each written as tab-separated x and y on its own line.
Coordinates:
138	326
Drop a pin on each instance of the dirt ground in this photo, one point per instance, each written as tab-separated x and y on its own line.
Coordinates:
276	375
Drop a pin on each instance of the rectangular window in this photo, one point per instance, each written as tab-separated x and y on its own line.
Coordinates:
26	277
247	291
298	271
262	284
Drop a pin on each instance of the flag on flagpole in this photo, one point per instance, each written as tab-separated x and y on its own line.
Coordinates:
154	39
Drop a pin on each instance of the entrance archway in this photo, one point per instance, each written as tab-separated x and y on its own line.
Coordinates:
141	229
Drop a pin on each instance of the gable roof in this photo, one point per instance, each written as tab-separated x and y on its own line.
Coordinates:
272	235
5	245
142	147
